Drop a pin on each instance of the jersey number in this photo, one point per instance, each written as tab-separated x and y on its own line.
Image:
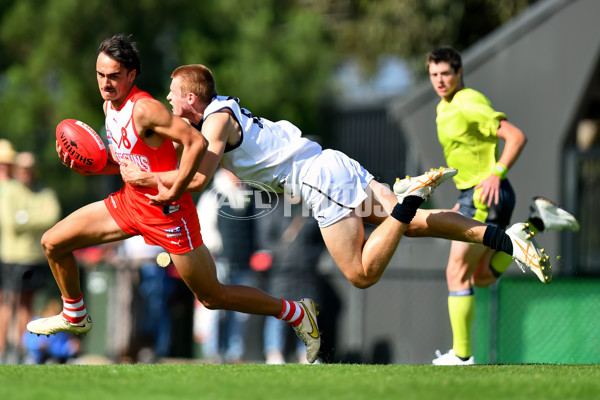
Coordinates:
255	120
124	140
247	113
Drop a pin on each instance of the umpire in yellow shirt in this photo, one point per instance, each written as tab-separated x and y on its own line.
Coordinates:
468	130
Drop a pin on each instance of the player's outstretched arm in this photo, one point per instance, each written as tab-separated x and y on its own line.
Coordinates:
150	114
215	129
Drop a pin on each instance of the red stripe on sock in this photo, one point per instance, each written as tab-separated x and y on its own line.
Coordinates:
292	308
290	314
73	301
73	320
67	302
299	320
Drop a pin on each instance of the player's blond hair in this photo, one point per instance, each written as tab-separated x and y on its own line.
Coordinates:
196	79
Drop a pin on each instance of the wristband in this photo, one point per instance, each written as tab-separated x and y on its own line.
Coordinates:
500	170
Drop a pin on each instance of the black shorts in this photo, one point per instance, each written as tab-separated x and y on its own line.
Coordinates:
498	214
23	278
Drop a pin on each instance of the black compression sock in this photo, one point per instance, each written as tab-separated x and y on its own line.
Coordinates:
405	211
497	239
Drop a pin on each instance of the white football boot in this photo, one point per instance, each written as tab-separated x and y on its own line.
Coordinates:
553	217
422	185
526	252
450	358
58	323
308	330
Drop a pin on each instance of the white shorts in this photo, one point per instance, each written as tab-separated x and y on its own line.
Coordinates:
333	185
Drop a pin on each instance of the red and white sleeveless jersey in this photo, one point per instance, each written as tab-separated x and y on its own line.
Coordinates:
126	143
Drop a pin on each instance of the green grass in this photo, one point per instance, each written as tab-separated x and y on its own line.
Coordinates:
327	381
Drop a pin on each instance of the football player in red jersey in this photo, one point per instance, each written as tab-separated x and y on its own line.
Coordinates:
142	130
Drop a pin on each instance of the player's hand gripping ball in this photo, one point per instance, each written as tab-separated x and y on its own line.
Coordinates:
83	144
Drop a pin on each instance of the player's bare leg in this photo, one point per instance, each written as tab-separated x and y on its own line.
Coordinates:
90	225
463	256
463	259
363	263
448	224
515	241
198	270
483	275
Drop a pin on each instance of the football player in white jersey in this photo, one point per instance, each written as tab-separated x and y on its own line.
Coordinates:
340	192
142	128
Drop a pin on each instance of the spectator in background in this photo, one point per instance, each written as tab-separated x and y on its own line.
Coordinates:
7	159
293	240
226	213
27	209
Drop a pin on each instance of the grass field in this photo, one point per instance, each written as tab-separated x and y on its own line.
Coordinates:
326	381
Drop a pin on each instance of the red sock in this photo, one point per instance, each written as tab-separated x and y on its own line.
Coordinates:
74	310
292	312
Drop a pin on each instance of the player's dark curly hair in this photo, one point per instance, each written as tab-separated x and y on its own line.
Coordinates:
121	48
445	54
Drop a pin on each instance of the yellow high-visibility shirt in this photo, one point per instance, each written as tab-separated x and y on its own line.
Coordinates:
467	127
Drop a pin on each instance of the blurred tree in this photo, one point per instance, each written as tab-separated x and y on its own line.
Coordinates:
365	29
276	55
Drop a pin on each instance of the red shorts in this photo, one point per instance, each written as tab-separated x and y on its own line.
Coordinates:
175	227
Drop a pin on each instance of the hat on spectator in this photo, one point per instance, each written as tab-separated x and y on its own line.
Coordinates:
7	153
